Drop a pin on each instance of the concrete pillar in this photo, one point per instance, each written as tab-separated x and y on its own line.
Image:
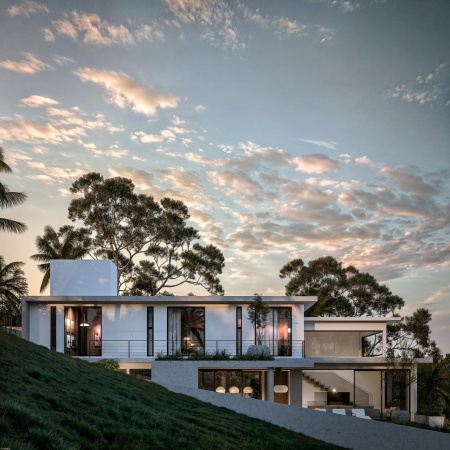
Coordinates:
296	387
413	387
270	384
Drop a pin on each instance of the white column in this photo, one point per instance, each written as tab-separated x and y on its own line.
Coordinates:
413	399
270	384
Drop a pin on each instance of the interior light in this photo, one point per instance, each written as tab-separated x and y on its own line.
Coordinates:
289	330
334	390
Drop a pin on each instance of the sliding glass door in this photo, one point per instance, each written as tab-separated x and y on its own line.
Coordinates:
83	331
278	333
185	330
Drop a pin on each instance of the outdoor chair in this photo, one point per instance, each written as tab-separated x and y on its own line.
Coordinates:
360	413
339	411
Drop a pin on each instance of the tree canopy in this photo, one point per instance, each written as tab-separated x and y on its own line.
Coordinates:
8	199
150	242
13	286
347	292
66	243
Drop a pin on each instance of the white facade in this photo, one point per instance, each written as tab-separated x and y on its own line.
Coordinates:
82	277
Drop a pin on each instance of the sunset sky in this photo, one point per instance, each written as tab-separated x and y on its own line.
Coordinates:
290	128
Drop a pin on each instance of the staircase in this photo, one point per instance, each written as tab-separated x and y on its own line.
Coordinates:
316	383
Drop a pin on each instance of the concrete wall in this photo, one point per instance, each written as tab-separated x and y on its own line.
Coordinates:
82	277
345	431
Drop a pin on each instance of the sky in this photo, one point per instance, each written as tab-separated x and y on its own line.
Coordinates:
291	129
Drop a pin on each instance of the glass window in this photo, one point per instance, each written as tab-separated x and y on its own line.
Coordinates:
239	330
150	331
83	331
236	382
53	327
185	330
278	332
342	343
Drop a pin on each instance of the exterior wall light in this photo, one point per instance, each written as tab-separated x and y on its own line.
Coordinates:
233	390
248	390
220	390
280	389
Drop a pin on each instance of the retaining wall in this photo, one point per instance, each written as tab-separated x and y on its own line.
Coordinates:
345	431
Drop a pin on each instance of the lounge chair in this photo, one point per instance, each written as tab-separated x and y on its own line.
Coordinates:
360	413
339	411
318	409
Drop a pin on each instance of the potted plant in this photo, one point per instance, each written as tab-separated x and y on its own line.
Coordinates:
258	310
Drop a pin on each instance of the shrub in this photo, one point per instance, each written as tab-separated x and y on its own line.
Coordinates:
109	364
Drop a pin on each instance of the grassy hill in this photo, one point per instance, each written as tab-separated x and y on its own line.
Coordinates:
50	400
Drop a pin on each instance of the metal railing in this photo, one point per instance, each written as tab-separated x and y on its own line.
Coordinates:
129	348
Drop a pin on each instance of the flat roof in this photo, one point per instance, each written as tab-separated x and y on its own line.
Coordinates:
210	299
354	319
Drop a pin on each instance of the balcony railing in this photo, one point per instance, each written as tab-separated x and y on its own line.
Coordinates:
144	349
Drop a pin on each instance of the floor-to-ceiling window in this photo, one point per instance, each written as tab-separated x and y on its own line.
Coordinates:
83	331
278	332
241	383
185	330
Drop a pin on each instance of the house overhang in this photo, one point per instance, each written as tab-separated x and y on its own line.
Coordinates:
197	300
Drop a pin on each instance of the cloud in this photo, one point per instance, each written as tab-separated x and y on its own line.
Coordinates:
184	179
26	8
365	160
237	183
35	101
409	182
325	144
55	173
64	125
315	163
200	108
30	64
426	89
92	30
216	18
48	34
149	33
146	138
124	91
62	60
344	5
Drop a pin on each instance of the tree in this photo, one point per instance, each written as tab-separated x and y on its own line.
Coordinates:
348	291
66	243
434	386
9	199
258	311
127	227
13	286
410	338
344	291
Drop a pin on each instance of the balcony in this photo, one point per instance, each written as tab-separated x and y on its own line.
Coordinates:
145	349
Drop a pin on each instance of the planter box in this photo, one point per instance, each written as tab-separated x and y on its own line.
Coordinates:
431	421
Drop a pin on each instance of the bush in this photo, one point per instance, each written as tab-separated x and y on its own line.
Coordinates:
109	364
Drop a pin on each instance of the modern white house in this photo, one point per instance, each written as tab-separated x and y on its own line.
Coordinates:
320	362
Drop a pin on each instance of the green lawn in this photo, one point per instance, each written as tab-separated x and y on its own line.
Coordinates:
49	400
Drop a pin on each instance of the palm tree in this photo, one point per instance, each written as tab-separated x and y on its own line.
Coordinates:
13	285
64	244
8	199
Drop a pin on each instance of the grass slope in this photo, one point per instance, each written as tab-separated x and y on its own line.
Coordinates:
50	400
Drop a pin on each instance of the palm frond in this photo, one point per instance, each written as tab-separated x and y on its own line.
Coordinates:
12	226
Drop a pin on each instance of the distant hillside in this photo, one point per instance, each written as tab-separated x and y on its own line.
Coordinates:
50	400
